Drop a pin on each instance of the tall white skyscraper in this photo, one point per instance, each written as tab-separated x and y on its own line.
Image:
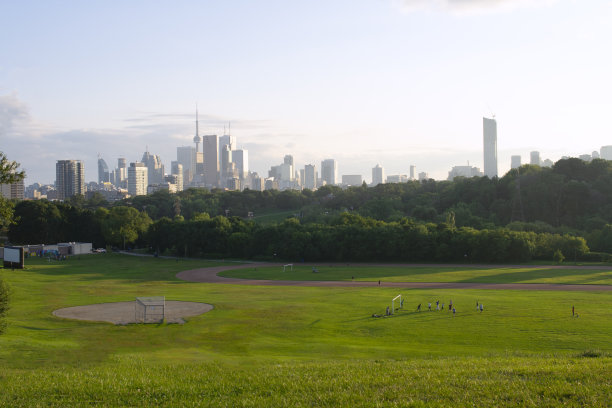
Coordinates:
310	177
605	152
489	132
70	178
535	158
186	155
378	175
155	168
226	140
329	171
515	162
241	158
137	179
176	169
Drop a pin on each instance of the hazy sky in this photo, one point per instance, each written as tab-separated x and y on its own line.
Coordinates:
363	81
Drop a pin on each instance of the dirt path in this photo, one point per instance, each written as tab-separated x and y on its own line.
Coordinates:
209	275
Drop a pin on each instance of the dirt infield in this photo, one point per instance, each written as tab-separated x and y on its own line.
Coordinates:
209	275
124	312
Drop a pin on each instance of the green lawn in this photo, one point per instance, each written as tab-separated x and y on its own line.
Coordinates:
276	217
288	346
334	272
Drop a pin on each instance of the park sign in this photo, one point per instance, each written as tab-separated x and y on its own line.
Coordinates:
13	257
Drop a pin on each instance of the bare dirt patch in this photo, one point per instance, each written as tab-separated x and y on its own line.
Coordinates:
124	312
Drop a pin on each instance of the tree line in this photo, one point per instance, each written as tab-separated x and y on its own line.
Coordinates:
529	213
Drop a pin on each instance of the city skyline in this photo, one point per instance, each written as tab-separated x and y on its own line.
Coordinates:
398	83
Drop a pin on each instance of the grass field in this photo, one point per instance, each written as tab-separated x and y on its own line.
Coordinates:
275	217
288	346
334	272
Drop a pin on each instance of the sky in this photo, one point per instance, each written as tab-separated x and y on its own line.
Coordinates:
389	82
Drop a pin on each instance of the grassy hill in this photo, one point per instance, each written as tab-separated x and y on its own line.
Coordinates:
290	346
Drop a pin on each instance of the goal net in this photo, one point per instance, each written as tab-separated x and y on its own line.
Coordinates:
150	309
290	266
399	299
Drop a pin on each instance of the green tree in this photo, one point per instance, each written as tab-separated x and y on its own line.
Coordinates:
558	256
124	225
8	175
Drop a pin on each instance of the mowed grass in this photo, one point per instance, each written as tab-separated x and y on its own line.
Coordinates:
407	273
287	346
276	217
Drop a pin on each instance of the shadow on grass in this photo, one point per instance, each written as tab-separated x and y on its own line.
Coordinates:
117	267
589	276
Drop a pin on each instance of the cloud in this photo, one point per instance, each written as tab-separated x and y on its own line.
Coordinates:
12	113
469	6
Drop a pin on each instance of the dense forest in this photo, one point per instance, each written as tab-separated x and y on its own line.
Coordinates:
529	213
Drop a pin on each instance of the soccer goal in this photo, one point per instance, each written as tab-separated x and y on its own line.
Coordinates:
398	297
290	266
150	309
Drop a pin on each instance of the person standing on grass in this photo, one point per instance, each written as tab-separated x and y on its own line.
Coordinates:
454	311
572	311
442	306
429	306
379	283
450	305
437	305
419	308
481	308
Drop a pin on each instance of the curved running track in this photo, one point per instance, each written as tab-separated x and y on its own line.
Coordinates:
209	275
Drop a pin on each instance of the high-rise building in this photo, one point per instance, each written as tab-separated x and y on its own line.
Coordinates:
241	158
103	174
137	179
489	133
595	155
412	170
605	152
515	162
14	191
423	176
210	146
176	169
378	175
226	163
464	171
329	172
155	168
535	158
286	172
354	180
288	159
397	178
310	177
226	140
70	178
186	155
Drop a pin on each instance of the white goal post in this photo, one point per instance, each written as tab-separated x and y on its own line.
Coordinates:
393	303
288	265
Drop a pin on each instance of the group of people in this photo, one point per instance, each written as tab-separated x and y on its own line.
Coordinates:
451	308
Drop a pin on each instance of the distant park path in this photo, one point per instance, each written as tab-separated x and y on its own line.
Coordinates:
209	275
